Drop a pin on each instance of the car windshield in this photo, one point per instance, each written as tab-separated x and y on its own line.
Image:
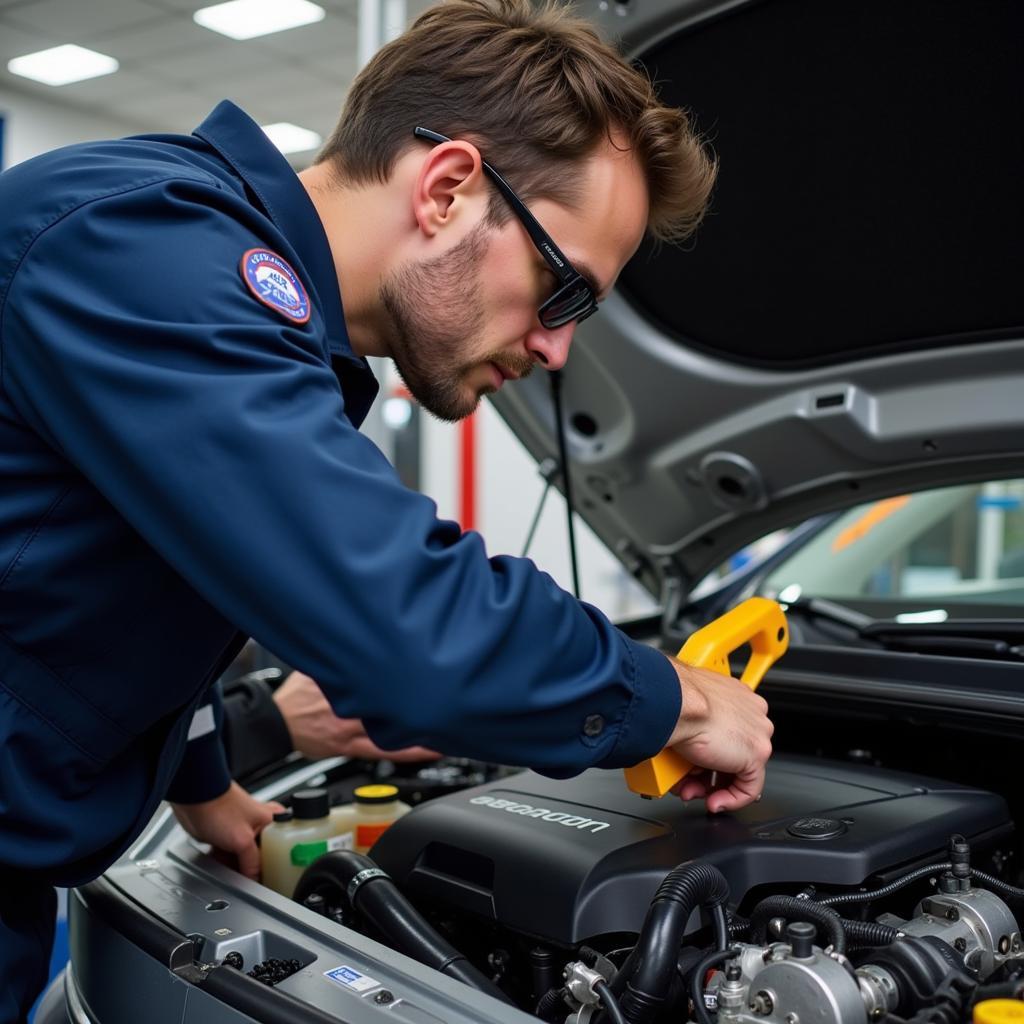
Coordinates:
952	552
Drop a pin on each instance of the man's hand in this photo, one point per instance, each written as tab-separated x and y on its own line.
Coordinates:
230	824
723	728
316	731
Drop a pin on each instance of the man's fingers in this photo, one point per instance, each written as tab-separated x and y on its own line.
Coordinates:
693	786
410	754
249	859
365	747
744	789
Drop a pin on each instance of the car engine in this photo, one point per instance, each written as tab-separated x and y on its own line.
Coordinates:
847	895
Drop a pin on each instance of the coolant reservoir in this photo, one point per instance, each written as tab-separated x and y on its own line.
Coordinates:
375	808
297	837
999	1011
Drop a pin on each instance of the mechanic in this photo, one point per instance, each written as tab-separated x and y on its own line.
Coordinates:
269	713
181	395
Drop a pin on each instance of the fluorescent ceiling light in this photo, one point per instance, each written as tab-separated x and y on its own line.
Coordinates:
290	138
246	19
62	65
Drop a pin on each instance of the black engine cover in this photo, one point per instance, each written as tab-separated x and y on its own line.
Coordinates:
567	860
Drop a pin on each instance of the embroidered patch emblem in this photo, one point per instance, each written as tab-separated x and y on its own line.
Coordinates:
275	284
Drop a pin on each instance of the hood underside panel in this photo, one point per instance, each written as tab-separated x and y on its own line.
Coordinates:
869	192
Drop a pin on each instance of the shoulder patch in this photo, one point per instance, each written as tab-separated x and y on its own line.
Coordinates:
272	280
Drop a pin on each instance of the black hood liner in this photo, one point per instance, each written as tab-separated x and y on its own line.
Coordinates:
871	189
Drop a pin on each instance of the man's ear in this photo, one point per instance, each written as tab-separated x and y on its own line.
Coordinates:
450	185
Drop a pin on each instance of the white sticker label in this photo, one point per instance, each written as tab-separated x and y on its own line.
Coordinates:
351	979
345	841
202	722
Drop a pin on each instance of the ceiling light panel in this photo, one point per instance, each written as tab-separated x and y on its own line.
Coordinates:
290	138
62	65
247	19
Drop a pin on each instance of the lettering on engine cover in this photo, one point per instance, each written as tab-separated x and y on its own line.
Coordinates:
529	811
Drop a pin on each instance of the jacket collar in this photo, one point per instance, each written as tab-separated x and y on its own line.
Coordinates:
244	145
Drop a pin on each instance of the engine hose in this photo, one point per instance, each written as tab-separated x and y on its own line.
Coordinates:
709	963
792	909
887	890
645	978
997	885
374	895
552	1000
720	923
983	878
868	933
858	933
609	1002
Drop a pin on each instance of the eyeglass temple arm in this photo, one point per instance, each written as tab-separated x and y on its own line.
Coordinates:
554	256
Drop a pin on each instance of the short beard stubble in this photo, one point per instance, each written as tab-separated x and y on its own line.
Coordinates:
436	312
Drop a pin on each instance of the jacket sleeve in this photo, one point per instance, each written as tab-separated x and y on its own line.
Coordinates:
255	733
203	773
218	431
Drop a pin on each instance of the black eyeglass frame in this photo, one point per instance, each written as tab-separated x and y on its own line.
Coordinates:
575	293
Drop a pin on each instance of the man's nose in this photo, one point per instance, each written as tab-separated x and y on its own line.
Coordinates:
550	346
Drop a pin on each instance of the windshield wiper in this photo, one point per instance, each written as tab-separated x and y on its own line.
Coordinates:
997	639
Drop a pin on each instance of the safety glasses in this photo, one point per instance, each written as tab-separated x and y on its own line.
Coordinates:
574	299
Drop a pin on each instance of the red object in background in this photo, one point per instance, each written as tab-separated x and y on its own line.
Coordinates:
467	464
467	473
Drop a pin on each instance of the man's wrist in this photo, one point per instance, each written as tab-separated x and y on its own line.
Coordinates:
694	709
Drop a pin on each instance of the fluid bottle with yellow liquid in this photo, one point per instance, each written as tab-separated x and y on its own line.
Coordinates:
375	808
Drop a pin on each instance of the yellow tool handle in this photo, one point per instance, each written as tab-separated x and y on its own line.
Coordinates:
759	622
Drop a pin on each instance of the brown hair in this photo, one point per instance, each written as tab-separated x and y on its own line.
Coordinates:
536	89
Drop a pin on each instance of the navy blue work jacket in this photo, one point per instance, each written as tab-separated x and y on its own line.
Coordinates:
180	467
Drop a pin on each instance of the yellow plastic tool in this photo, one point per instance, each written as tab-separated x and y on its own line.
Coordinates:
759	622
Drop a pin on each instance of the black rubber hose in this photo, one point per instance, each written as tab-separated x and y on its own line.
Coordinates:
609	1002
552	1000
982	878
646	976
710	962
792	909
721	926
887	890
868	933
997	885
380	901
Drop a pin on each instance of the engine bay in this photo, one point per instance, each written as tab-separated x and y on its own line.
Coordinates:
849	893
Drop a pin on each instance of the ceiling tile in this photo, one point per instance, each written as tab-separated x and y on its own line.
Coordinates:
167	35
187	6
206	64
286	98
316	111
100	92
80	20
335	33
337	71
191	6
15	42
179	112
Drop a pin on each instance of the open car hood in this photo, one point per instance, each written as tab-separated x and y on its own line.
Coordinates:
848	322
